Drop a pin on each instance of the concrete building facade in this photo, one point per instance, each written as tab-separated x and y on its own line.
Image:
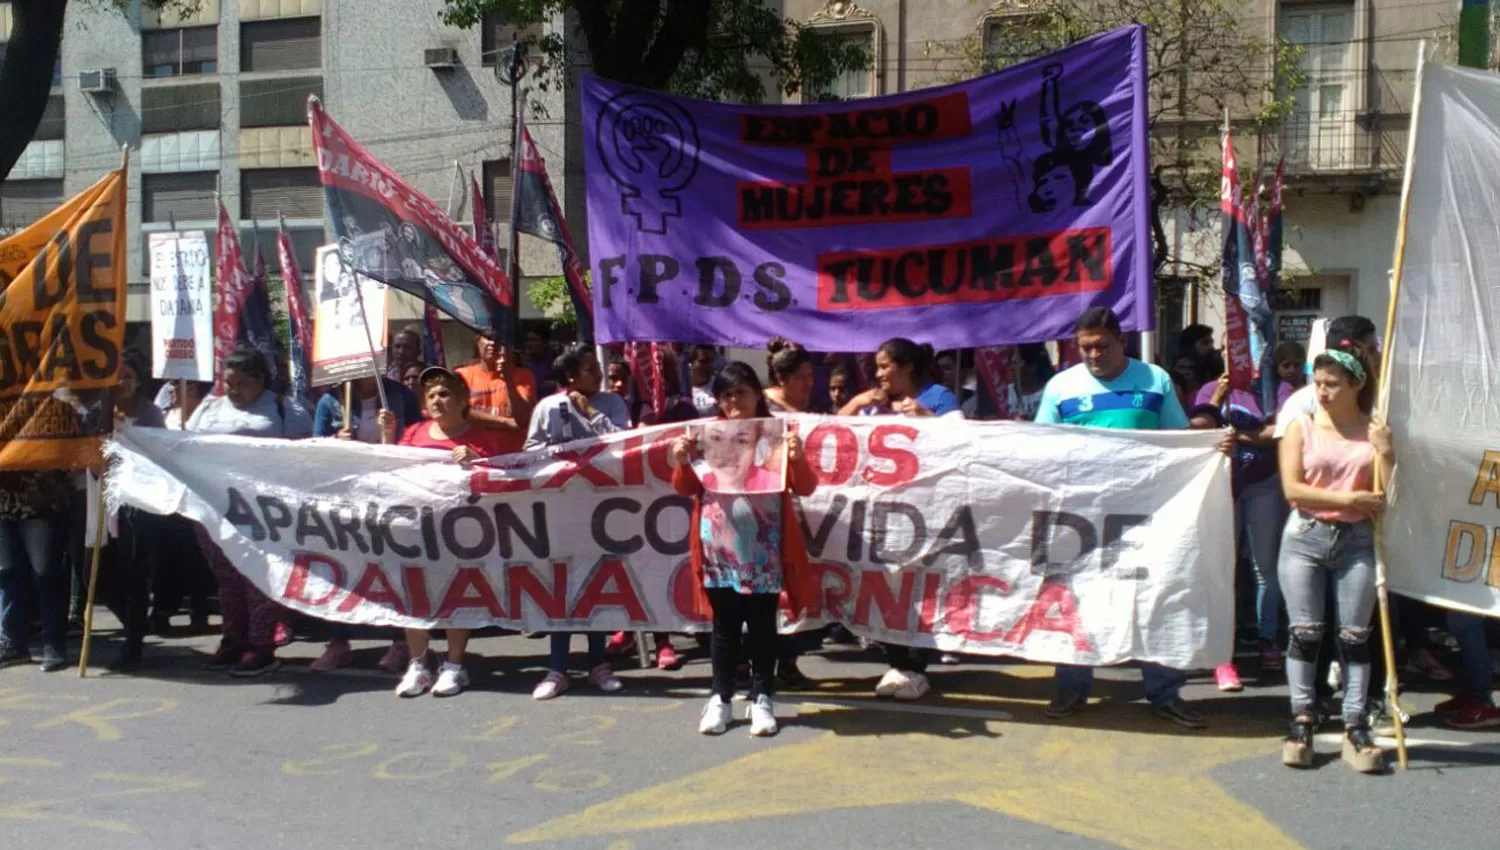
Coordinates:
215	102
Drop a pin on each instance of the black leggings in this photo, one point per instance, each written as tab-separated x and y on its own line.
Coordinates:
755	612
907	659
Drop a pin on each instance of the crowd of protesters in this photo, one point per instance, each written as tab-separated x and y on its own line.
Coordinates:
1302	479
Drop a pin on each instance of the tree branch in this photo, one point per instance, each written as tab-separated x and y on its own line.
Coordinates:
594	20
26	75
685	27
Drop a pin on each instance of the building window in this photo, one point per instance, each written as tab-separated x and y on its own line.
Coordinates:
1009	39
495	35
179	197
24	201
277	101
269	193
305	244
1320	131
174	109
852	83
53	121
499	183
180	52
287	44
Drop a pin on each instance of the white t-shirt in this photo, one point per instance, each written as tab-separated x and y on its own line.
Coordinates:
1302	403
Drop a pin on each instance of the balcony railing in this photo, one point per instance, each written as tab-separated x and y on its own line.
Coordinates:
1344	144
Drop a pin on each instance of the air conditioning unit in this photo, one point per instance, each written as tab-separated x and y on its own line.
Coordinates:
440	58
97	81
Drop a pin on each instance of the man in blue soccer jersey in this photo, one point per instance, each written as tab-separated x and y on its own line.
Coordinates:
1112	390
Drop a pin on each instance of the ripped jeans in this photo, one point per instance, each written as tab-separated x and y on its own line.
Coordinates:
1313	552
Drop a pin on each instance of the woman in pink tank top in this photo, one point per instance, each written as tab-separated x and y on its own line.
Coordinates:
1328	463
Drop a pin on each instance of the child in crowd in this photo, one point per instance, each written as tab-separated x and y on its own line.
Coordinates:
746	549
579	409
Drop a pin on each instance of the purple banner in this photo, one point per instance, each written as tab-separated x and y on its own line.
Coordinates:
991	212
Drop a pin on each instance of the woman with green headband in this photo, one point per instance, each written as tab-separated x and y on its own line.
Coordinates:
1328	465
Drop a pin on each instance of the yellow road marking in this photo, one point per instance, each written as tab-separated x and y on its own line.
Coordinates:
100	720
1137	788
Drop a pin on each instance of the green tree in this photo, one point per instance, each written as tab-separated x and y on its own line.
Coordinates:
549	295
30	55
719	49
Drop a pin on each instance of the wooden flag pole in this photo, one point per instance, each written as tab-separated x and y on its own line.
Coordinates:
88	605
1382	595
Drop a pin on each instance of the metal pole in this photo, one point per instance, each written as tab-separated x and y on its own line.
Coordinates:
517	68
359	295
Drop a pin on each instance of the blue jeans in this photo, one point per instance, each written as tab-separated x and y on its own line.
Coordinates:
561	642
1260	514
1162	683
1476	675
34	550
1313	552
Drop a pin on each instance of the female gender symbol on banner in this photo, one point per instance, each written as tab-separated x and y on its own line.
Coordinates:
639	134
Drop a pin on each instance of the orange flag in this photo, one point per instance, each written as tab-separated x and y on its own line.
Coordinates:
62	327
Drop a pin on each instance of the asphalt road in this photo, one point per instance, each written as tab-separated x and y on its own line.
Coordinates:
173	758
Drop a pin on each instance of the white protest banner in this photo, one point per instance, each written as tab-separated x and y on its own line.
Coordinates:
182	318
342	332
1053	544
1442	528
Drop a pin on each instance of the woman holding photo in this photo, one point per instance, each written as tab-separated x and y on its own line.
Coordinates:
746	548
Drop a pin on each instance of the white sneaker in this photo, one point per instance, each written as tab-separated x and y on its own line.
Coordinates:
892	681
603	677
913	688
451	680
416	681
716	716
762	714
554	684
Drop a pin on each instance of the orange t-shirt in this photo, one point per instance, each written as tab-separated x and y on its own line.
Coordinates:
489	394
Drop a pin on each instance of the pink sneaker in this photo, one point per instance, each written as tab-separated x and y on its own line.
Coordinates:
396	657
603	677
1228	678
666	658
283	634
337	654
619	643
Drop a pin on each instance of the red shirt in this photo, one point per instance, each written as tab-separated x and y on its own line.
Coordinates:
487	442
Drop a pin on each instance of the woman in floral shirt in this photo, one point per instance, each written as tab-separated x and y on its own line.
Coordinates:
32	548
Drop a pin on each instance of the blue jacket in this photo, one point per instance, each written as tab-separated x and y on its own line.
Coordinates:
329	417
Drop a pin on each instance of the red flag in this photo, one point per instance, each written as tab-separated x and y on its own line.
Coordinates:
483	233
646	367
233	285
1238	359
995	371
392	233
536	212
298	320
